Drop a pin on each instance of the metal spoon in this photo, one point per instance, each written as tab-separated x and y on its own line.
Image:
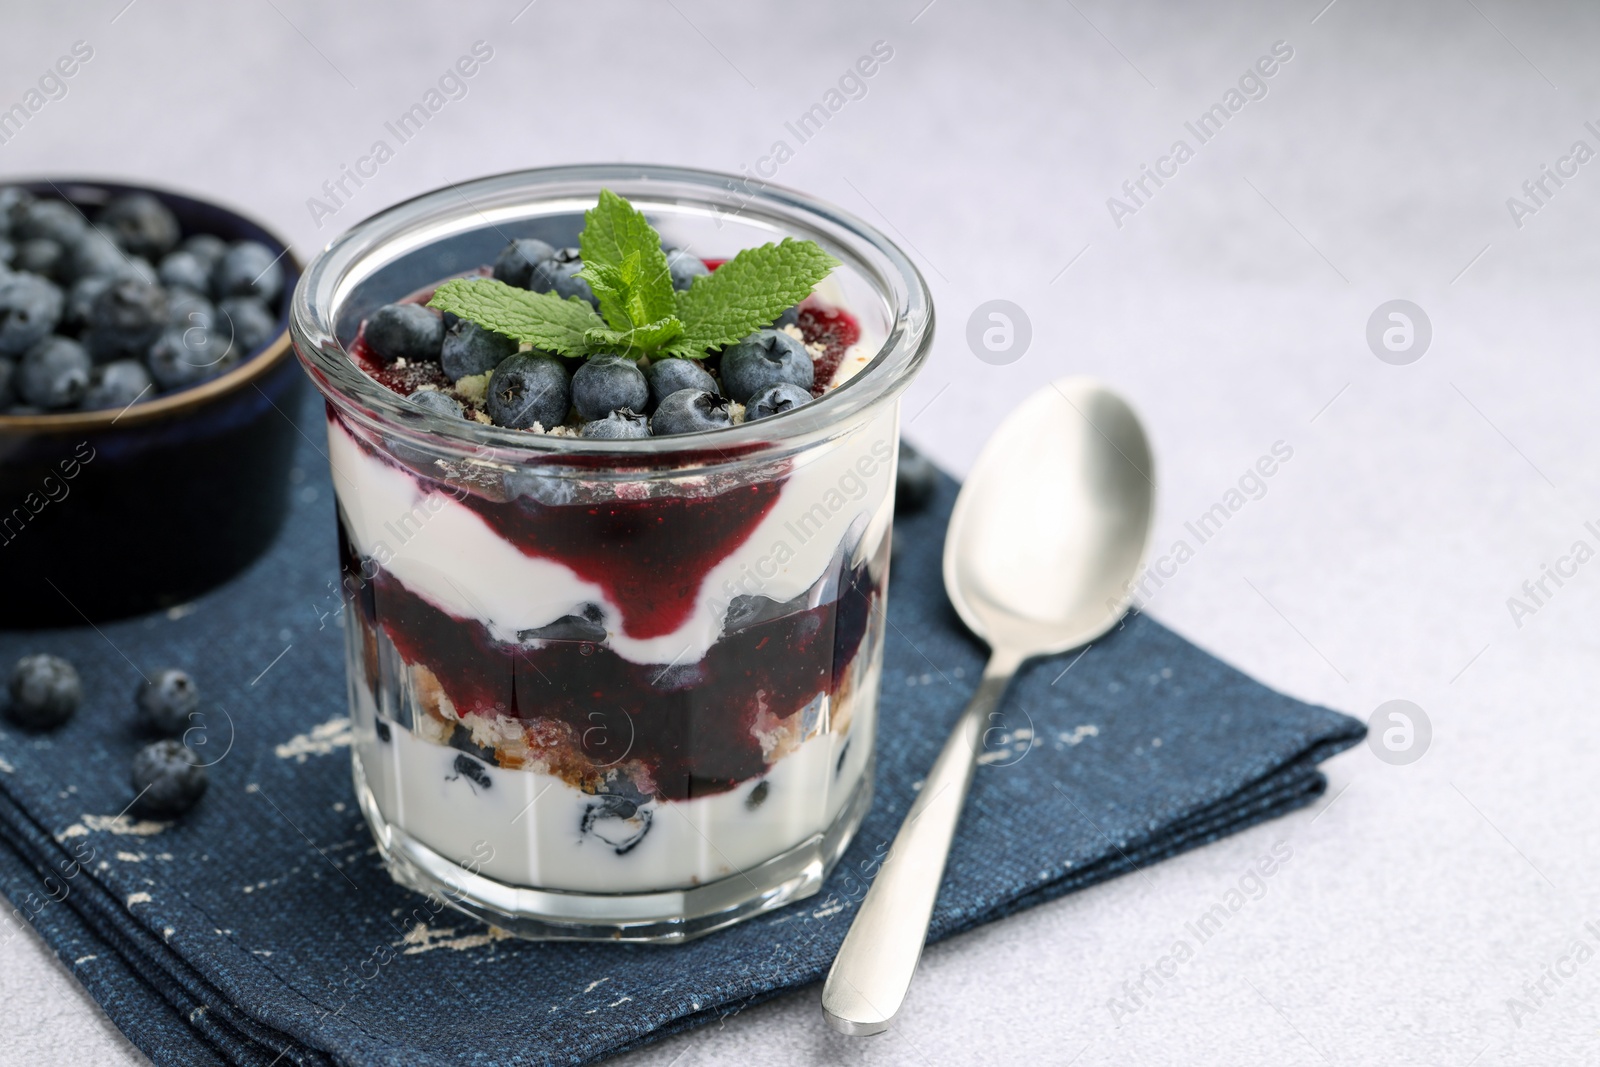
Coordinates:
1044	542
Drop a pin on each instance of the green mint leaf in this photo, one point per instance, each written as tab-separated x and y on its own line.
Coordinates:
682	346
638	340
622	292
543	320
614	231
610	288
749	291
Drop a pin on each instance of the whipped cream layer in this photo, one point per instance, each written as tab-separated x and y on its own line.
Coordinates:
527	828
832	500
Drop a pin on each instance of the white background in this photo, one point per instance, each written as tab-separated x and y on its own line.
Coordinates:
1231	308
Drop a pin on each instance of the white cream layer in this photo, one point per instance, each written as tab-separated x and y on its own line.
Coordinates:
444	552
530	825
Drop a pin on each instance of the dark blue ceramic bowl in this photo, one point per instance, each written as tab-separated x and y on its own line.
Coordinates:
105	513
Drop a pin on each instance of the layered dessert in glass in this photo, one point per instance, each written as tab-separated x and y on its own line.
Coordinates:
613	673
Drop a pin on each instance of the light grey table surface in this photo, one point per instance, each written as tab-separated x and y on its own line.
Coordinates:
1432	913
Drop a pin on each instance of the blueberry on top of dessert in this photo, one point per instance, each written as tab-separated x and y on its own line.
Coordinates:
620	338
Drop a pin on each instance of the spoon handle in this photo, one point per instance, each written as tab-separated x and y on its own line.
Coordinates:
872	972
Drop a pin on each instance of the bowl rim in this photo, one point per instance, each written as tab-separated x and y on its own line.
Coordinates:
353	393
173	405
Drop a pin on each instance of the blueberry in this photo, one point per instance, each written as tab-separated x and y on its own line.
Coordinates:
117	384
197	338
30	307
126	319
185	308
166	701
54	373
207	248
788	318
623	424
141	224
56	220
248	269
558	273
246	322
915	480
167	779
95	254
184	270
749	609
138	268
607	382
128	314
775	401
45	691
667	376
470	349
516	262
588	626
438	403
405	331
81	297
181	358
527	388
40	256
690	411
762	360
685	268
617	821
13	202
473	771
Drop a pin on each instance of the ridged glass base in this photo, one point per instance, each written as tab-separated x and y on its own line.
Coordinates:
670	916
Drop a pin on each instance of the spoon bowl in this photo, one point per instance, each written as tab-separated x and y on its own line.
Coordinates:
1041	554
1052	521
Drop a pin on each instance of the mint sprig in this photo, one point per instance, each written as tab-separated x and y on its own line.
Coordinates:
617	237
639	340
640	313
749	292
543	320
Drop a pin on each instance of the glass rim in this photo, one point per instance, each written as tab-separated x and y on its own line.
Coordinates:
328	279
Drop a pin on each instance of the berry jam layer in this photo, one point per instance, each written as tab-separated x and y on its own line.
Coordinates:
656	563
568	705
649	556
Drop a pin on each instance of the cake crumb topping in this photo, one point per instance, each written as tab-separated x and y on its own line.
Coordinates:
473	388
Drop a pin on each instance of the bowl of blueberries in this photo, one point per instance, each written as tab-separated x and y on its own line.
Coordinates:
146	397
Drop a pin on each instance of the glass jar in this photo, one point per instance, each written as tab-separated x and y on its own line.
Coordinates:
612	689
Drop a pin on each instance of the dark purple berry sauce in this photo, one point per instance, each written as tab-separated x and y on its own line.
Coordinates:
673	732
650	556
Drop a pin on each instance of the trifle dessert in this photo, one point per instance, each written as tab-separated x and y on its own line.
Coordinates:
615	473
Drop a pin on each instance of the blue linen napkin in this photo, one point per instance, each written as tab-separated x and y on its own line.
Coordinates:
262	928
